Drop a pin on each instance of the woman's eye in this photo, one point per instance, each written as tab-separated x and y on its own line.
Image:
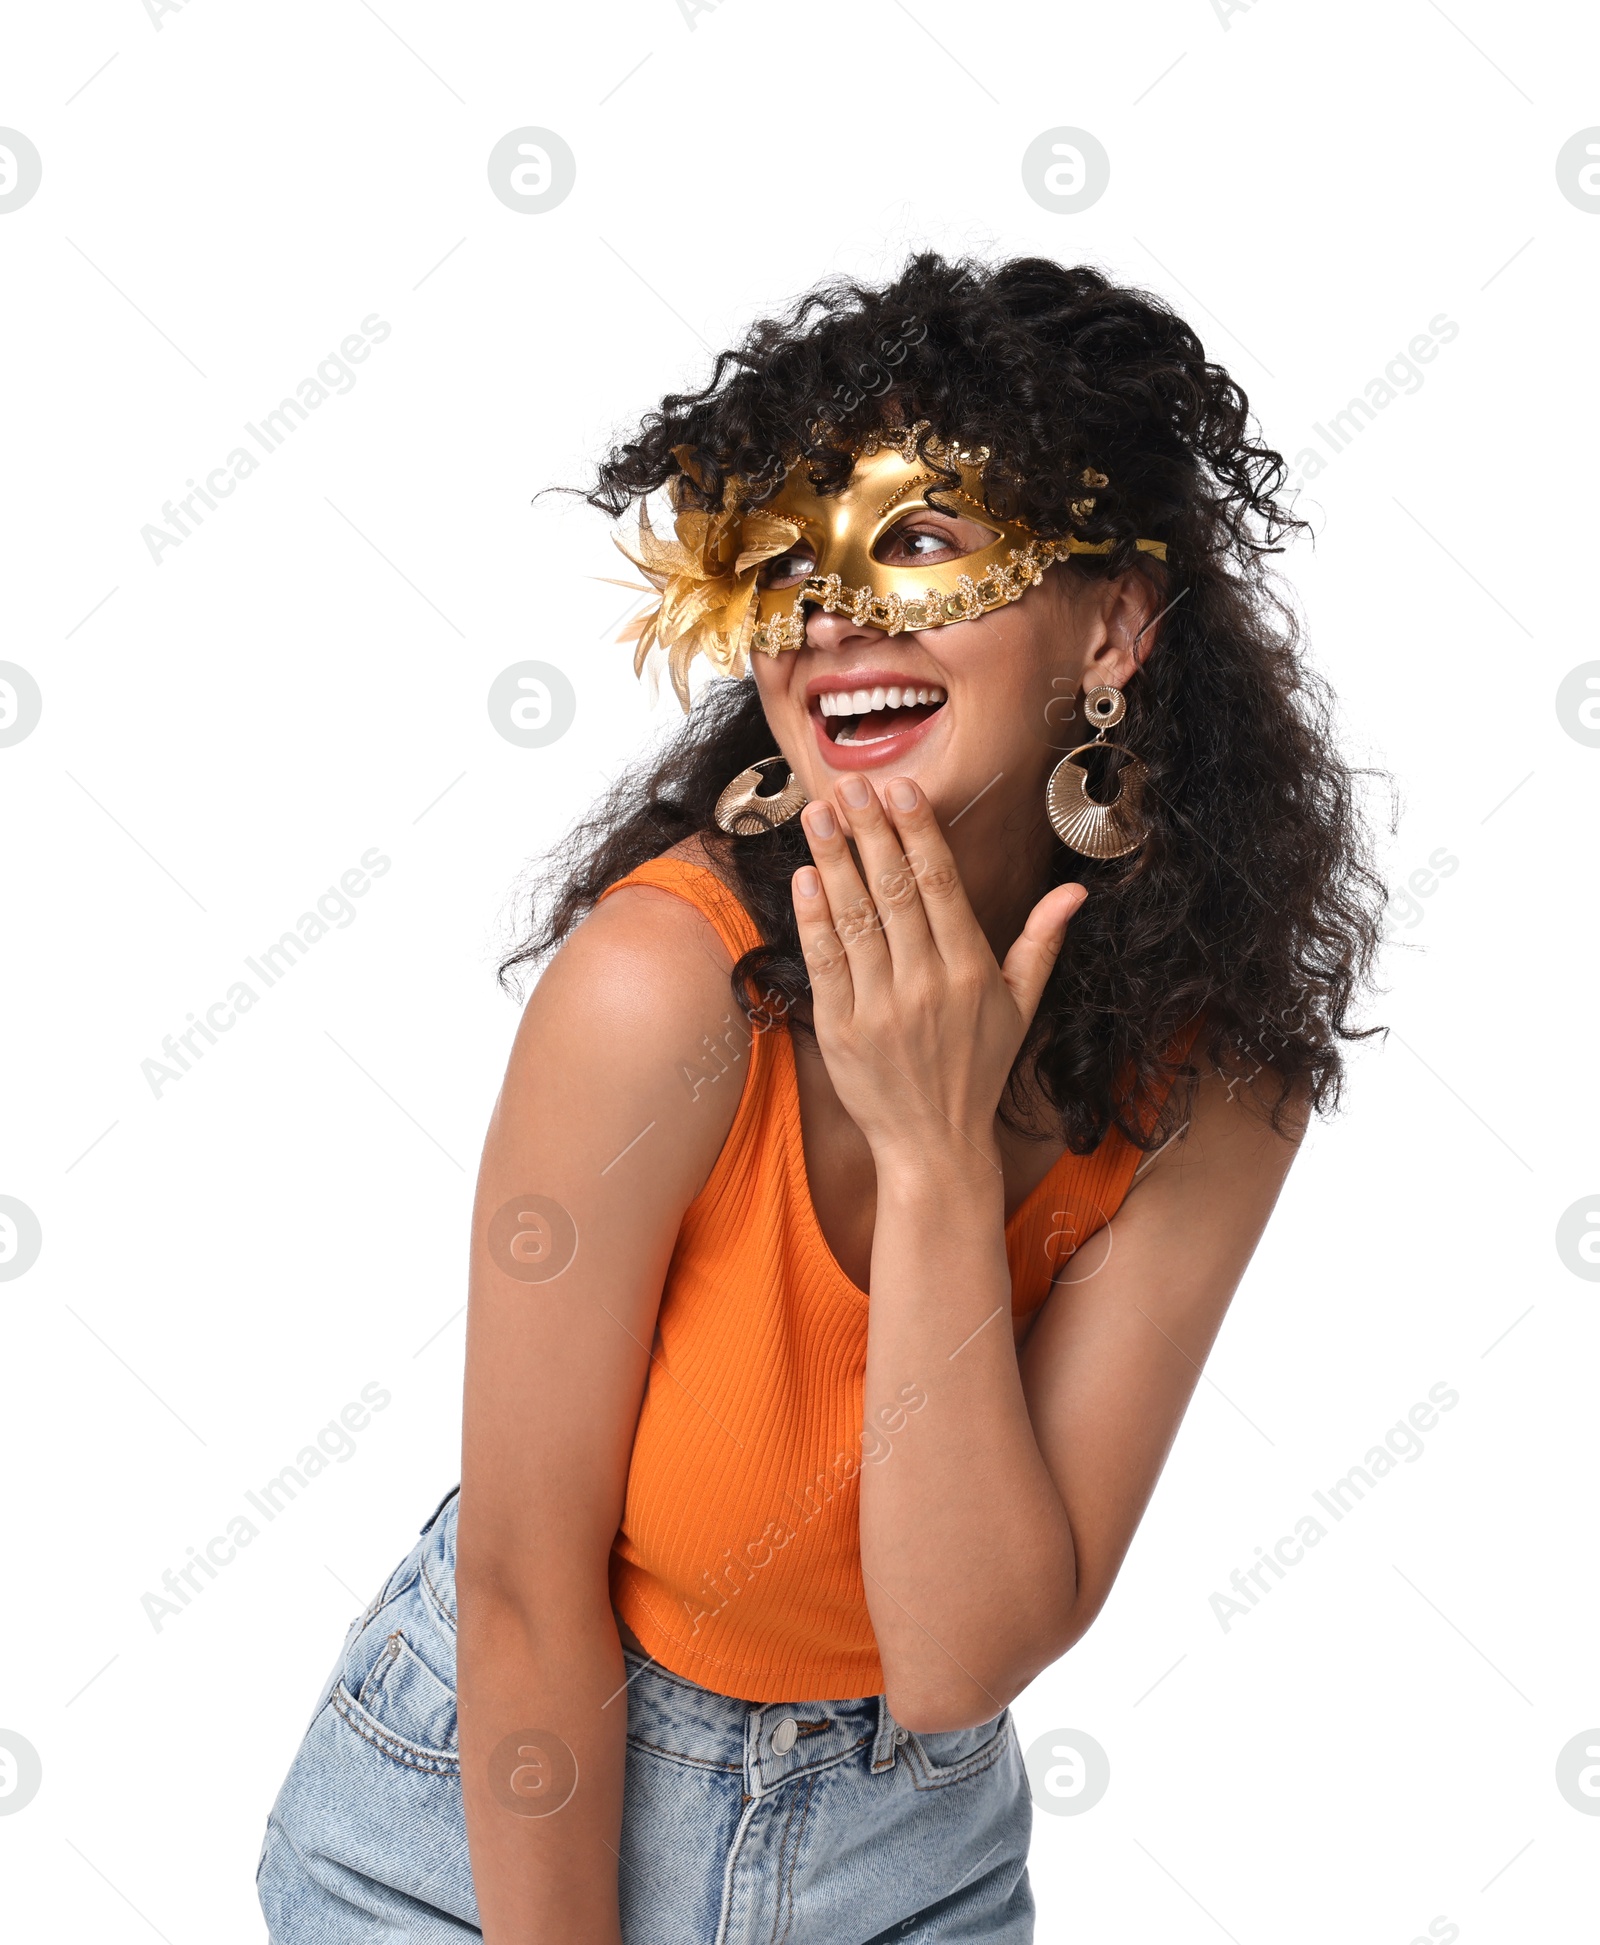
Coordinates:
788	570
916	546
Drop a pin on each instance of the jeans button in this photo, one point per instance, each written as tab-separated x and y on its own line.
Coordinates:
783	1737
900	1735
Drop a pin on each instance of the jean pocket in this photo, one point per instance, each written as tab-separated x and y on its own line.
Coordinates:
952	1755
398	1703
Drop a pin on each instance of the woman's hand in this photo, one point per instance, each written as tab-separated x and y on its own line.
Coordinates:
917	1022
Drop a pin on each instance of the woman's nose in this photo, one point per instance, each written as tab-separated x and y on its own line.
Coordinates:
835	632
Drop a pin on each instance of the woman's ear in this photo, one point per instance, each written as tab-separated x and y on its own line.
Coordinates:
1129	627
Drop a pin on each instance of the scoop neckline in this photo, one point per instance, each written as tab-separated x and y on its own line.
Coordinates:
795	1140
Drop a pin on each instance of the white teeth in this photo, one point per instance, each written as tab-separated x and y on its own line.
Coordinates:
862	702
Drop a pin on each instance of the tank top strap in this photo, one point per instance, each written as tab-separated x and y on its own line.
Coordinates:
699	886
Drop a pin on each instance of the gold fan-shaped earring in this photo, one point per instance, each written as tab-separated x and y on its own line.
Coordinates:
743	812
1092	829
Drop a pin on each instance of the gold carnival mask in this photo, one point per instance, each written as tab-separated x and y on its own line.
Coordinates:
710	578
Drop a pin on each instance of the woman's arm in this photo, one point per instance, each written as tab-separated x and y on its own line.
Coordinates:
995	1516
594	1117
994	1526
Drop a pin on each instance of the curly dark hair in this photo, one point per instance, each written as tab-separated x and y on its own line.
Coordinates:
1254	902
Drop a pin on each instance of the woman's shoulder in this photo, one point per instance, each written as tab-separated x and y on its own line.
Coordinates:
649	963
1237	1126
692	873
624	1006
657	924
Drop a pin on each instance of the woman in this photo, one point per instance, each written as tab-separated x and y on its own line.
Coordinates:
892	975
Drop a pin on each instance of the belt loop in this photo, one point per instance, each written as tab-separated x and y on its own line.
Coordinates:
886	1742
754	1749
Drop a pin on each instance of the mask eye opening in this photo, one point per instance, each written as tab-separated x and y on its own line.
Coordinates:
956	545
788	570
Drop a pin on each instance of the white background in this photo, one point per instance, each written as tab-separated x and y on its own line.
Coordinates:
1373	1746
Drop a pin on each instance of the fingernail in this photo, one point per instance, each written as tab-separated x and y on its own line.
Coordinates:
807	883
903	794
820	819
854	791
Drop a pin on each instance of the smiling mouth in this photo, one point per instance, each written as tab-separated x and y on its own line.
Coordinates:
860	716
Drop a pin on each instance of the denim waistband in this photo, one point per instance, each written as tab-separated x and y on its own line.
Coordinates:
769	1742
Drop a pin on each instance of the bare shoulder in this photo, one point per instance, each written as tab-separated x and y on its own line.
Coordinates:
613	1035
643	931
1234	1149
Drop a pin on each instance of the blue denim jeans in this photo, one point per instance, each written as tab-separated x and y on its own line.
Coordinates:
805	1822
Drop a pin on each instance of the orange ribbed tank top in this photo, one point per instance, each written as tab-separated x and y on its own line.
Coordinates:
738	1561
